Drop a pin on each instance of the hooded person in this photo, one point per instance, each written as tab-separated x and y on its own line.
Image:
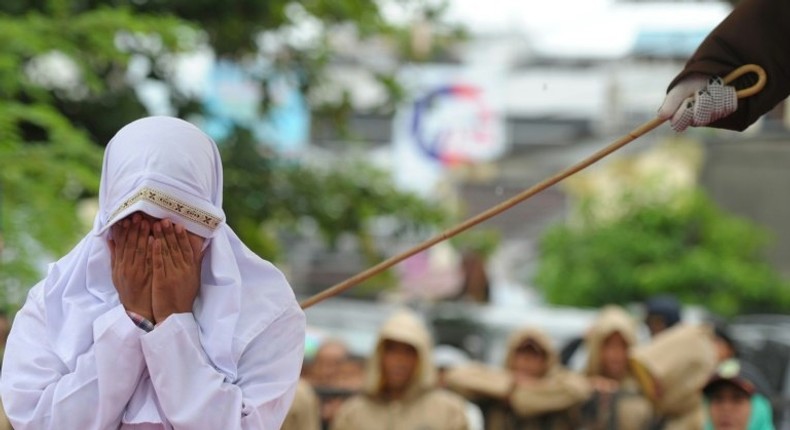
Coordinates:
672	370
533	391
661	313
617	402
400	390
160	317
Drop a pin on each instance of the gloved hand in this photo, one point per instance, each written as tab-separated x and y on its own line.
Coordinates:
711	100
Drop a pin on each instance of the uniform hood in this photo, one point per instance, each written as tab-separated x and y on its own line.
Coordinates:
611	320
674	366
406	327
540	338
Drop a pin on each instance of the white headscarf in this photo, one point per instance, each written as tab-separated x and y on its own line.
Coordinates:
170	169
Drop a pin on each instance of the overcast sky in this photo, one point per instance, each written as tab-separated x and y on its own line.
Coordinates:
593	26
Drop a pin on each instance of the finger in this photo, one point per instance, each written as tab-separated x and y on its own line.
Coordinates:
141	248
111	245
171	242
132	251
679	93
684	116
198	249
119	236
159	236
183	243
149	255
157	258
671	104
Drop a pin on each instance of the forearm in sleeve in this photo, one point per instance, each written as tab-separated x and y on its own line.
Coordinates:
40	392
756	32
560	392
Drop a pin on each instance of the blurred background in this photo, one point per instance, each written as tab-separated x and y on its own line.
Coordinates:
352	130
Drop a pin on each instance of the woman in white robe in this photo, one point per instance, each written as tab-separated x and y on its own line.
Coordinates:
78	357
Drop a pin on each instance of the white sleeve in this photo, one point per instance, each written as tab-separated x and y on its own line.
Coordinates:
195	396
40	392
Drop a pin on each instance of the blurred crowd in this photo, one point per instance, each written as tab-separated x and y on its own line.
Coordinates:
682	376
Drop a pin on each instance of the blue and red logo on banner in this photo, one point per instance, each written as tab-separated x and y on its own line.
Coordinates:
454	124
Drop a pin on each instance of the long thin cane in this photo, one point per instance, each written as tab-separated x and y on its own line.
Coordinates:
524	195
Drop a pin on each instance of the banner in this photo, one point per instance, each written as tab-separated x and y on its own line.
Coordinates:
452	116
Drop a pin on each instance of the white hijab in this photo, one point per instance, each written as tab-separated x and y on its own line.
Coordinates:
166	168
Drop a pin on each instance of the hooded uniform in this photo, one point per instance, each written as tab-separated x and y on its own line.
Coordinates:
672	369
628	408
305	409
551	403
423	407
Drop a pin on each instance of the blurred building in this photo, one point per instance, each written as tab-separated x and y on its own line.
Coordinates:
533	90
560	86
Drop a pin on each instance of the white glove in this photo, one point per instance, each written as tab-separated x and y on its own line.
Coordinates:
711	100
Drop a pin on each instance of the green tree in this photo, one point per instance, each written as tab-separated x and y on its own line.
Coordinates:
692	249
68	76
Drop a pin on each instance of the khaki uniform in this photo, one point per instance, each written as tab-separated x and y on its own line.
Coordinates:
423	407
4	423
672	369
551	403
629	408
304	413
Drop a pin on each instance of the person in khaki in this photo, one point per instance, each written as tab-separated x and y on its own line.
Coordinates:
672	370
617	402
533	391
305	409
400	391
328	374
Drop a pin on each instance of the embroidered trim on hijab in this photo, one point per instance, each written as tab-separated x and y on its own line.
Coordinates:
166	201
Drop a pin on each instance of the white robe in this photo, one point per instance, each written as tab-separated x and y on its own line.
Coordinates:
115	384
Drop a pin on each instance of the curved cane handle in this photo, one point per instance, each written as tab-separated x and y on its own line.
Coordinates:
762	78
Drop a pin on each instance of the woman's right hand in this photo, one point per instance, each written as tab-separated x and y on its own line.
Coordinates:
130	256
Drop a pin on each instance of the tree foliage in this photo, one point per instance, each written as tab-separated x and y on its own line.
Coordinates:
692	249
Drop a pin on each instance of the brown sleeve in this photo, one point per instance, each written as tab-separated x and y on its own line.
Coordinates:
756	32
558	392
476	380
